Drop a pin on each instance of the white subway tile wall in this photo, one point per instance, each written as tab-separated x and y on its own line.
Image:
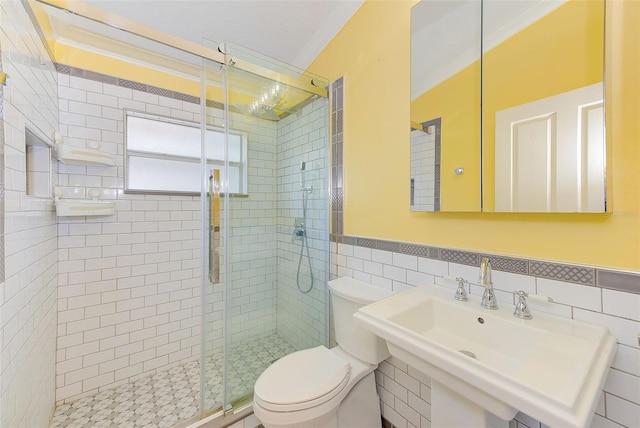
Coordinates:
28	295
129	284
405	393
303	138
252	229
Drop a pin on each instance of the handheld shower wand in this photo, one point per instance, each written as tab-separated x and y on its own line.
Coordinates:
303	187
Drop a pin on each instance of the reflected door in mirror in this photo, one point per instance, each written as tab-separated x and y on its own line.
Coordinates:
543	138
550	154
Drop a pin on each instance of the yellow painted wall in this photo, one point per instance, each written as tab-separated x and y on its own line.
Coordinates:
372	53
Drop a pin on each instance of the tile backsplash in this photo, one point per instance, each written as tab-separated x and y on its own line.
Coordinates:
578	274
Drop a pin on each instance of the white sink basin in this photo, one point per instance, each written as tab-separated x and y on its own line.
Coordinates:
550	368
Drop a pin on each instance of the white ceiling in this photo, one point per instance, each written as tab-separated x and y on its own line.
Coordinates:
291	31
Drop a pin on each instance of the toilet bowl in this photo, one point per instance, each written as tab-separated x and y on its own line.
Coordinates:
322	387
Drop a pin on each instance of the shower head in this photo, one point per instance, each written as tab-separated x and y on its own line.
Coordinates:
303	186
303	165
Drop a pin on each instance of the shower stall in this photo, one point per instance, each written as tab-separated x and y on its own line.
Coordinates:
216	260
274	237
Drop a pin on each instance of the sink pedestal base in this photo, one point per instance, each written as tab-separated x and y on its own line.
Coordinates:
451	410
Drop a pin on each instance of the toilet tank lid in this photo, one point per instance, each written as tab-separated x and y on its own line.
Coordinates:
357	291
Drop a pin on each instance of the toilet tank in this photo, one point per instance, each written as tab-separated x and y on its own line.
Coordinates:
347	296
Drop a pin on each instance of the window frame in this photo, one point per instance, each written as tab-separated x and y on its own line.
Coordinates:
211	163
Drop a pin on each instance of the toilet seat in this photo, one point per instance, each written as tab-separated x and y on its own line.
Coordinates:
302	380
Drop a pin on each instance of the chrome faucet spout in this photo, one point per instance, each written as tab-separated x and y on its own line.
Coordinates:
488	297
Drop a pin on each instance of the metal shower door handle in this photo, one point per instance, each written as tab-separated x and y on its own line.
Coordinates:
214	226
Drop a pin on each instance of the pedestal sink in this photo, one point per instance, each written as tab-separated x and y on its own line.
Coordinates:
487	363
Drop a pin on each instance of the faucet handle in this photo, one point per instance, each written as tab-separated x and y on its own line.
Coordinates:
522	309
461	293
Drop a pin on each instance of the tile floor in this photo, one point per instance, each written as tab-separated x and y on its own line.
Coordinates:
166	398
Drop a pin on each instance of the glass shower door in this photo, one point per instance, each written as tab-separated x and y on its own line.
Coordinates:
277	232
213	170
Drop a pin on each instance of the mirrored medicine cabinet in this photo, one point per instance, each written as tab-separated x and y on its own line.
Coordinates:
507	106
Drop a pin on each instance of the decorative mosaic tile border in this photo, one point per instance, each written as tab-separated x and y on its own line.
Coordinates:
337	194
584	275
125	83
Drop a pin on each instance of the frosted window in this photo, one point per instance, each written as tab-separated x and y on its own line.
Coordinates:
163	155
235	148
154	136
151	174
235	179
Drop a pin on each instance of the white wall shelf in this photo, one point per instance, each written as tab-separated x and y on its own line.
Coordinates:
70	155
84	207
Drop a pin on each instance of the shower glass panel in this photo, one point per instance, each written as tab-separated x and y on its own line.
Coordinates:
214	170
277	233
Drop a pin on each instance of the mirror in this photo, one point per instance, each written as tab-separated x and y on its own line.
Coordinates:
445	105
542	140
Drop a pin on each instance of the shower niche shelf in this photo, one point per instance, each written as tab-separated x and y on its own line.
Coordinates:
84	207
77	207
70	155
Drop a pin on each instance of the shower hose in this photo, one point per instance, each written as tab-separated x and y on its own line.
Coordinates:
304	244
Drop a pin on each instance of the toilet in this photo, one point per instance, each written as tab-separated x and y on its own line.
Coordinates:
323	388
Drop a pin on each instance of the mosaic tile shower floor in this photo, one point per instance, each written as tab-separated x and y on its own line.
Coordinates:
168	397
